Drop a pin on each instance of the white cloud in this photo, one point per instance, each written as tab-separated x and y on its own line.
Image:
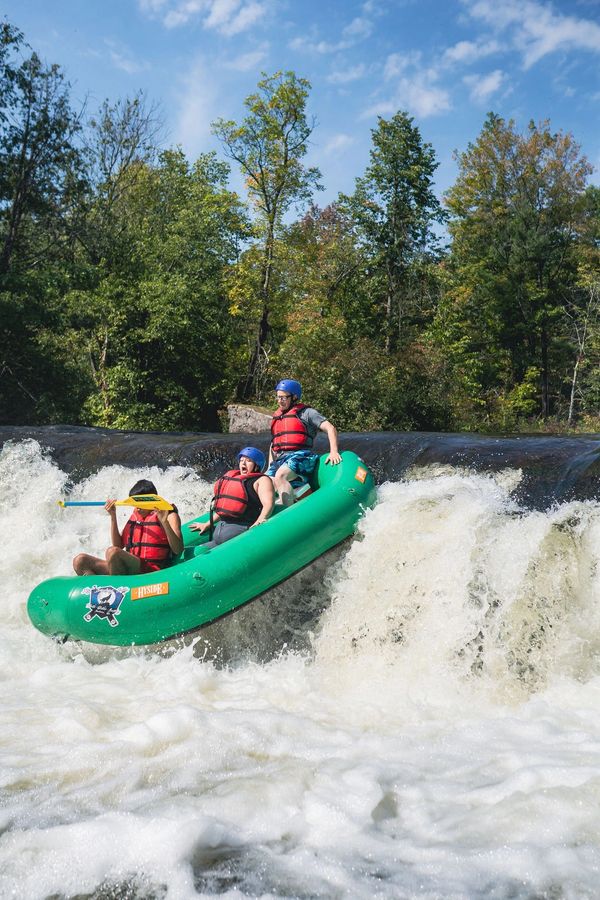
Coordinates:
228	17
245	18
304	44
415	88
221	13
422	98
535	29
198	107
416	96
397	63
469	51
183	12
357	30
122	59
338	142
344	76
246	62
483	86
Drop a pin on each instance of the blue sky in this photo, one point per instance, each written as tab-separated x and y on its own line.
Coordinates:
446	63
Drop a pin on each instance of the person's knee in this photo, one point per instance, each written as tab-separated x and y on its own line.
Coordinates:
113	558
79	562
281	480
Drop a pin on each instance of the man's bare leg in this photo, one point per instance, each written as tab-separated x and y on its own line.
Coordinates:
281	481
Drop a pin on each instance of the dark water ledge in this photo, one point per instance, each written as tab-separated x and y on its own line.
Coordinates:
554	468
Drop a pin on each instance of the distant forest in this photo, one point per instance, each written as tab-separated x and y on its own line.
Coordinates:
137	291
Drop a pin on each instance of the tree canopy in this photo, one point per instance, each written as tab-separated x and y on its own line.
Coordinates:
137	290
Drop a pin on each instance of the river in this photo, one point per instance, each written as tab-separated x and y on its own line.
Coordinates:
415	716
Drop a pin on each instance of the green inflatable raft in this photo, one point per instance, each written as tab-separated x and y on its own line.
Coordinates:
203	585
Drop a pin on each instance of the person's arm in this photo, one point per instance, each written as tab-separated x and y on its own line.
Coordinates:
115	534
330	431
266	494
171	523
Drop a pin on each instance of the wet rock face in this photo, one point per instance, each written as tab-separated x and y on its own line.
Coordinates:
553	468
80	451
248	419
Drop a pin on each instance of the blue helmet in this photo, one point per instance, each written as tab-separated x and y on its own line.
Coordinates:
256	455
290	387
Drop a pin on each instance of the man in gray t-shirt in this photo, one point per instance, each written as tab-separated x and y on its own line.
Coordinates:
294	427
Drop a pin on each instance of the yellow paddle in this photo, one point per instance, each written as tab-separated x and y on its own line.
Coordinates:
141	501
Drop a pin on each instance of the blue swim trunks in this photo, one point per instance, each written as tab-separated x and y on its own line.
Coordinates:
302	462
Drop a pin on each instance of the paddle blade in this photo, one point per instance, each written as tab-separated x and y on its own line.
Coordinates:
145	501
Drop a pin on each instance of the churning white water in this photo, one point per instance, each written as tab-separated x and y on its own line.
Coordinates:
416	716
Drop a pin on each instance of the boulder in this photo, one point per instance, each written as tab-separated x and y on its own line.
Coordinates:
248	419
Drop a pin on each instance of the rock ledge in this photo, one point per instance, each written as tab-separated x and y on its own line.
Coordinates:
248	419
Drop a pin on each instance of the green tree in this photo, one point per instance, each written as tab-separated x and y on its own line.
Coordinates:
42	180
515	213
327	341
121	140
395	210
333	332
154	330
269	146
40	165
323	259
583	312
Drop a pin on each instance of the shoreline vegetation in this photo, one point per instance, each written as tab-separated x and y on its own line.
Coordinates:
253	419
137	291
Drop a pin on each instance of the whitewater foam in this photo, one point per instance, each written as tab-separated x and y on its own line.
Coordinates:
427	726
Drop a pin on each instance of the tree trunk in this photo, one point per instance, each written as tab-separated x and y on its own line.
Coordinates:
14	223
573	388
99	375
249	385
19	199
545	373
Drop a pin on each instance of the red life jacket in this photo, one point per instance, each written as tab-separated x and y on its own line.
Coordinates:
234	500
145	537
289	431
